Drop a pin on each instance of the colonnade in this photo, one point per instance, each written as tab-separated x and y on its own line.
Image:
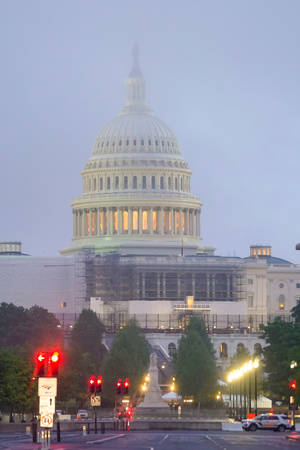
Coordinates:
136	220
154	285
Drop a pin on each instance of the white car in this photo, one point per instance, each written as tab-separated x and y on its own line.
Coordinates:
82	414
276	422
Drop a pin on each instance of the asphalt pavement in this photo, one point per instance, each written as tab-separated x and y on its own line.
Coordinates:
152	440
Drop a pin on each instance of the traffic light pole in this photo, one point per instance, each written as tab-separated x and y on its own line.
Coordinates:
95	416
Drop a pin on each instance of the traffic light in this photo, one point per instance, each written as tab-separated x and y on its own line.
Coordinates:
54	364
293	385
126	386
41	361
92	383
99	385
119	386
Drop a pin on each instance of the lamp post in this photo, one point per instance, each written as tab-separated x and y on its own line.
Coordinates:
240	374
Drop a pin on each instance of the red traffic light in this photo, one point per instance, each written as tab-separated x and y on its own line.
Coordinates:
126	383
99	384
92	382
41	357
293	385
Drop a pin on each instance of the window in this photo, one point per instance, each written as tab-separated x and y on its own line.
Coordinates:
115	221
223	350
94	184
117	182
134	182
170	221
177	221
142	142
169	183
172	349
176	184
125	182
90	185
127	142
93	223
257	349
145	220
125	220
108	183
101	221
153	182
101	184
281	285
135	220
184	222
281	302
154	221
144	182
250	301
298	285
156	142
120	142
162	182
88	222
165	221
250	281
134	142
149	142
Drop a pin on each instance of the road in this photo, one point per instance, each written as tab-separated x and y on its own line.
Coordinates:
154	440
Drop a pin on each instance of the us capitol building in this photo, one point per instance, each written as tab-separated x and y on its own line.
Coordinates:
137	250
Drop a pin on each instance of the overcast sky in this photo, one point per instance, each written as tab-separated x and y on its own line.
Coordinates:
224	75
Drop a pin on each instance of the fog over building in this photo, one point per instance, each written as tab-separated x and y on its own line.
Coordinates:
137	248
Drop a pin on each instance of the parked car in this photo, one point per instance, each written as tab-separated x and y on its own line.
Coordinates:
276	422
82	414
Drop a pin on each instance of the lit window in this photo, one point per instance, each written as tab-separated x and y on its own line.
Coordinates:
115	220
134	182
154	220
108	183
117	182
93	223
184	222
281	302
125	182
104	221
135	220
153	182
177	221
259	251
101	221
144	182
145	220
170	220
125	220
162	182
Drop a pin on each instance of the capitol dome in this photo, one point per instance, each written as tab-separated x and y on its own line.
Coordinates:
136	186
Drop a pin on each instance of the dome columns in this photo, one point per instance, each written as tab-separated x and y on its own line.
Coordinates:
91	222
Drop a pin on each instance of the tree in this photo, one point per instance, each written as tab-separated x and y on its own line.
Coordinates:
87	334
195	366
127	358
83	359
17	391
241	356
25	328
283	346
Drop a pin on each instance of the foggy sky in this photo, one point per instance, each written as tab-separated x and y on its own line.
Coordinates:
223	75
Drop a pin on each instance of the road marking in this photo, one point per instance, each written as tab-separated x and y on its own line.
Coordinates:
214	442
163	439
98	441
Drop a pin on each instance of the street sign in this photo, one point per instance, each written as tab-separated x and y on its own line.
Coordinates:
96	400
47	387
47	420
47	405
